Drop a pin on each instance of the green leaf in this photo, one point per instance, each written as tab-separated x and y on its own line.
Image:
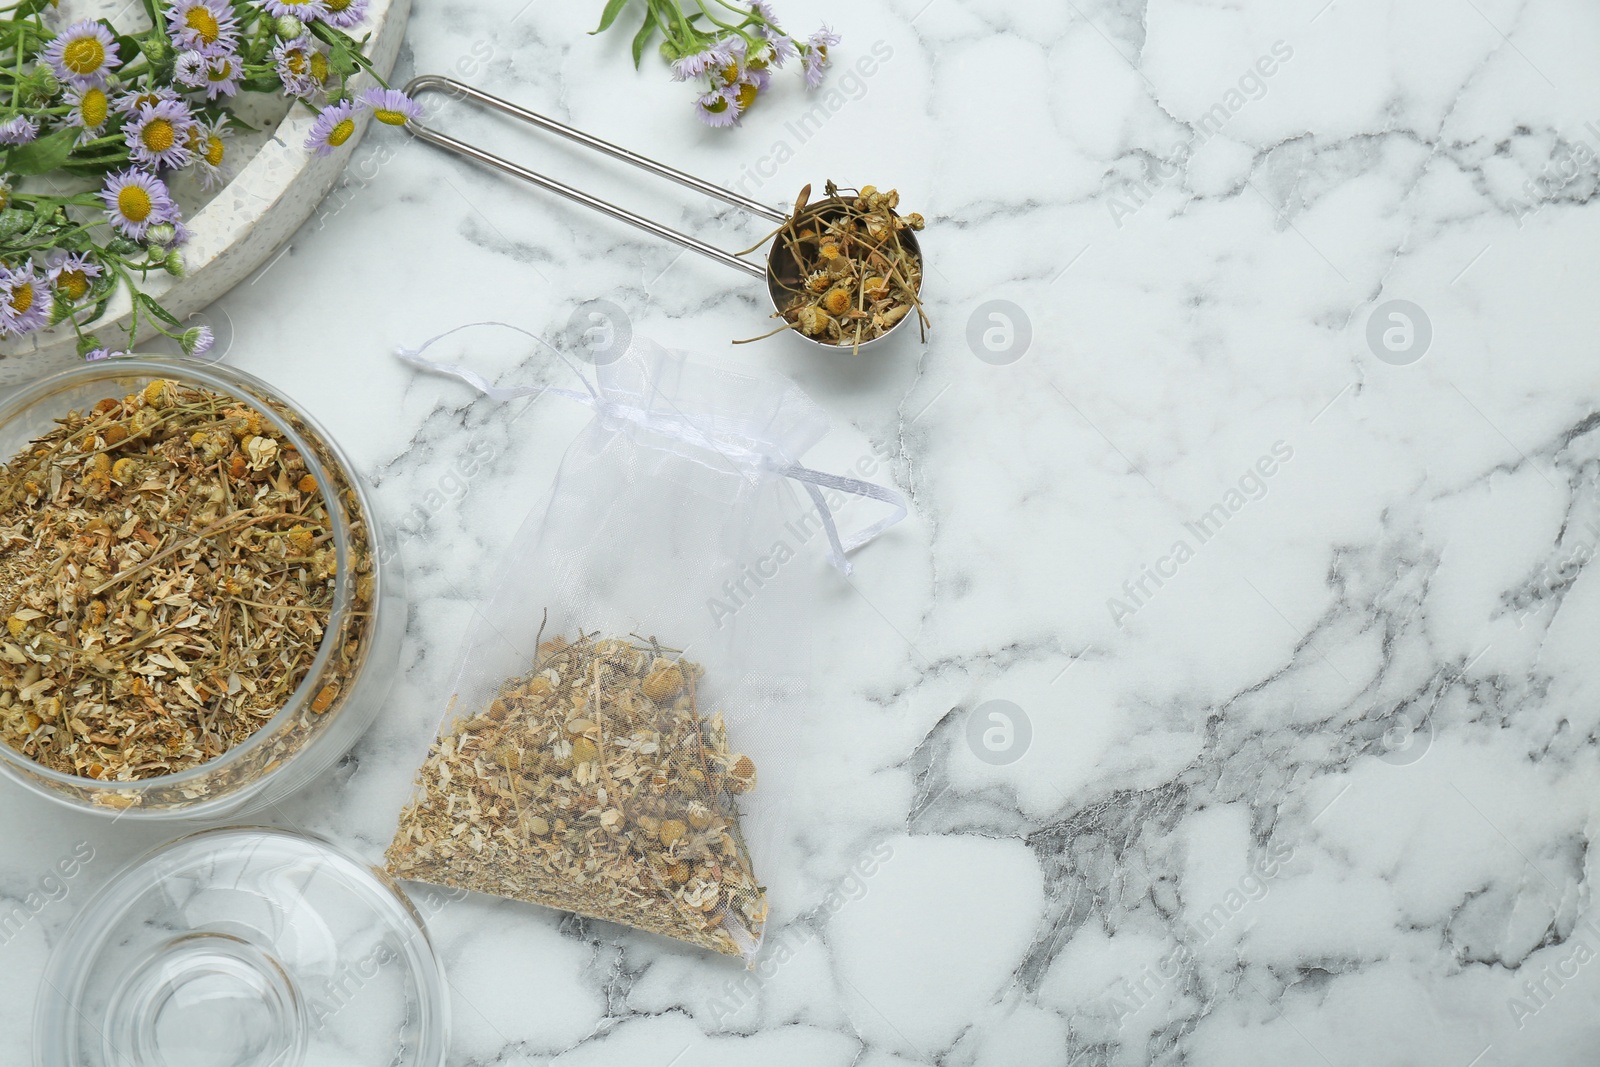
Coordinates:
13	221
43	155
613	9
339	59
642	38
158	311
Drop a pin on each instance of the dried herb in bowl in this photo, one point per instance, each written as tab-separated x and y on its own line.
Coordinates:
847	269
166	582
593	784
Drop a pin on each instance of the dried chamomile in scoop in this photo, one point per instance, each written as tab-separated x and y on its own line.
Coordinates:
593	784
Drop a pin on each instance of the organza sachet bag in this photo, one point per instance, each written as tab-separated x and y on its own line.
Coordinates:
639	658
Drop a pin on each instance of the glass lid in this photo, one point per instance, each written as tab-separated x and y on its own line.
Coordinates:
244	947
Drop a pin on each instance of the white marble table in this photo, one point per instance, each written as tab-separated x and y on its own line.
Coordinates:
1296	601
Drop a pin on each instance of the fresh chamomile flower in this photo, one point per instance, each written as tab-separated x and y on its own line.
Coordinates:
720	107
817	55
158	136
136	200
293	61
88	109
210	149
222	74
74	276
203	24
334	126
304	10
25	300
345	13
19	130
391	107
84	53
131	101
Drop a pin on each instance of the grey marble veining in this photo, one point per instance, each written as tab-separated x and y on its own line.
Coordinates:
1295	595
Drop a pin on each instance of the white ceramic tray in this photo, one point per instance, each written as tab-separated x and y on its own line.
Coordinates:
275	187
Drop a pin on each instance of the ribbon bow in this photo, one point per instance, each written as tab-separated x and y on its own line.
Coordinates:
681	427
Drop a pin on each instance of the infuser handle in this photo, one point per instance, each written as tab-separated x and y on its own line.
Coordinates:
433	82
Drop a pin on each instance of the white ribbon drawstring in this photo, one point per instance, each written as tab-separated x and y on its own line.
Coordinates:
680	427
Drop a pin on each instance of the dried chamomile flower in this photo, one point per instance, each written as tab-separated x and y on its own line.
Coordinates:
592	784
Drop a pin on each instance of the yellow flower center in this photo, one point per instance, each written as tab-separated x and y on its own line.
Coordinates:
337	5
392	118
134	203
84	55
341	132
718	106
319	66
296	61
158	135
730	73
747	95
218	72
5	197
213	150
93	107
204	24
22	297
72	283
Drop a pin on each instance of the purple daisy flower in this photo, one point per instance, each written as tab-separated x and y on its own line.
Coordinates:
25	300
83	54
131	101
293	60
103	353
73	276
198	341
158	136
817	55
757	75
391	107
19	130
136	200
304	10
782	45
89	110
190	69
345	13
719	108
208	144
203	24
223	71
334	126
718	54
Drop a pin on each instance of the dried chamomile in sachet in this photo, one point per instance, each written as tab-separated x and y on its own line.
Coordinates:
593	784
603	772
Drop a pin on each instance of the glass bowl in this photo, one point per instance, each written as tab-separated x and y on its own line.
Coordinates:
357	656
244	947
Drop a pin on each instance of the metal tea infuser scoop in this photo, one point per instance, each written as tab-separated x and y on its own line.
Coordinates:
778	258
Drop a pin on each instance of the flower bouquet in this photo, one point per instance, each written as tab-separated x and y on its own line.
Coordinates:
109	131
728	50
